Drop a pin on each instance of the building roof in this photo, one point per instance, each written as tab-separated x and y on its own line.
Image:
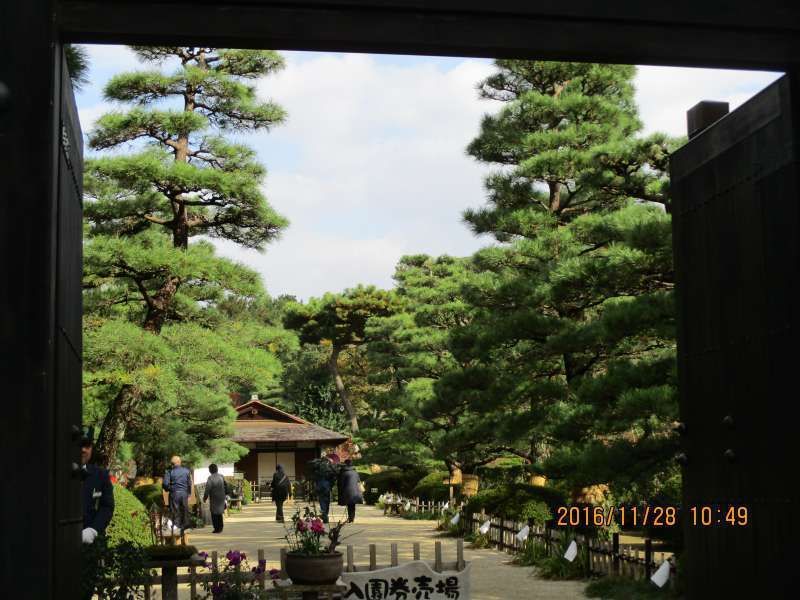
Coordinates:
259	422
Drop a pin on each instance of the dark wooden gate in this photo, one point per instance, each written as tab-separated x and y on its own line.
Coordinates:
736	224
68	346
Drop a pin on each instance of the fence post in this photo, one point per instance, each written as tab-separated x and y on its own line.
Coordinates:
460	555
648	557
615	552
547	543
437	564
283	563
373	557
588	543
395	560
416	551
262	560
350	564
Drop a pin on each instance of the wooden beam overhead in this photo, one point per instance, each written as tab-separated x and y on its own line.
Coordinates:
766	36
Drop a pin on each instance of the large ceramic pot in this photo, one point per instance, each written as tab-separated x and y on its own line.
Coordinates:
322	569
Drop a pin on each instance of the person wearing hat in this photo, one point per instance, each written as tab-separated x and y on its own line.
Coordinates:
178	482
98	495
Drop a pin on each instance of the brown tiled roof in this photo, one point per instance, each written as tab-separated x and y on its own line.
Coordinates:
279	426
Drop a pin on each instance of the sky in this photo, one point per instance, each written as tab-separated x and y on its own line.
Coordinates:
371	164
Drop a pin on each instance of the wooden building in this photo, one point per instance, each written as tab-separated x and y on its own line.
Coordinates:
275	437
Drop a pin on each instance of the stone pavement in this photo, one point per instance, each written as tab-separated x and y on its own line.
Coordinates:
493	575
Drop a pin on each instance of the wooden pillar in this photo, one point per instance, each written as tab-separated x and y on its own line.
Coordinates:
40	374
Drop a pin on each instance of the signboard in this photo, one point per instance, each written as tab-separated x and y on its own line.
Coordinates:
411	581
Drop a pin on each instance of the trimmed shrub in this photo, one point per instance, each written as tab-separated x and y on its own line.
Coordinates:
396	480
517	501
149	494
623	588
130	522
431	487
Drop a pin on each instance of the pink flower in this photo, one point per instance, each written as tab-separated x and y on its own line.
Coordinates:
302	526
317	526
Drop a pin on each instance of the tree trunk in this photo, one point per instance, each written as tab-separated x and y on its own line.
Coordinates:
333	367
112	431
159	305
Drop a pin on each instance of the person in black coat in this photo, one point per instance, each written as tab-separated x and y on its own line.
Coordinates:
280	491
178	482
349	484
98	495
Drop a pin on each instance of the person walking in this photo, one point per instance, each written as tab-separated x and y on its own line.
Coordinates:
349	487
215	494
98	495
178	482
280	491
325	475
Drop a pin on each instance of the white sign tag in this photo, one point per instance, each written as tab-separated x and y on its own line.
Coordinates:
523	533
661	576
456	519
572	551
411	580
446	505
484	529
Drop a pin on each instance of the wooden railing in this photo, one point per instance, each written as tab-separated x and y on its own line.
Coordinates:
602	557
195	578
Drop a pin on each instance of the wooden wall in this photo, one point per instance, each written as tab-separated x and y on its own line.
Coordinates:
736	228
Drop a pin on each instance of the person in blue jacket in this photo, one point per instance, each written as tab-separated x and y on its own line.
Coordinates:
178	482
98	495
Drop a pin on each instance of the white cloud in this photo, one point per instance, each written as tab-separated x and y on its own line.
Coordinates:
664	94
371	163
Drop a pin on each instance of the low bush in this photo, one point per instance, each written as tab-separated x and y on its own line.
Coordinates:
533	552
623	588
478	540
556	566
425	515
431	488
149	494
516	501
130	522
247	492
400	481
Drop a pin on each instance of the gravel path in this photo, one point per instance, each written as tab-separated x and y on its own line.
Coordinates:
493	576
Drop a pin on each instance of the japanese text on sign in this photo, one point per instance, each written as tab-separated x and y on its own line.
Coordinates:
412	581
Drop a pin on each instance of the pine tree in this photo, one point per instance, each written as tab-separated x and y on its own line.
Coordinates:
579	294
179	178
185	179
427	407
339	320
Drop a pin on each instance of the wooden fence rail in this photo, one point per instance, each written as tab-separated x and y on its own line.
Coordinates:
602	557
196	579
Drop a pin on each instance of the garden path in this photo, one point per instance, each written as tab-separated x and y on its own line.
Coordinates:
493	577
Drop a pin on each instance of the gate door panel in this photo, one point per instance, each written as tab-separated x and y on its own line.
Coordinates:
735	226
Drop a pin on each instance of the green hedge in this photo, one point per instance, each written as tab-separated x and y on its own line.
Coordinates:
149	494
401	481
431	488
517	501
130	521
247	492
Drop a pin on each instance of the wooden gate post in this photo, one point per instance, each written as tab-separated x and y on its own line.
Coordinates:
615	552
648	557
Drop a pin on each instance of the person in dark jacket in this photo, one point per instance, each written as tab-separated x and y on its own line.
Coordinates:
178	482
325	474
349	487
215	494
280	491
98	495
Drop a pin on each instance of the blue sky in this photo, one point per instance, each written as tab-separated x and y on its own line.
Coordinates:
371	165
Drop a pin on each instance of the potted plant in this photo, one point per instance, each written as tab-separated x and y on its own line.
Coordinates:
312	558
